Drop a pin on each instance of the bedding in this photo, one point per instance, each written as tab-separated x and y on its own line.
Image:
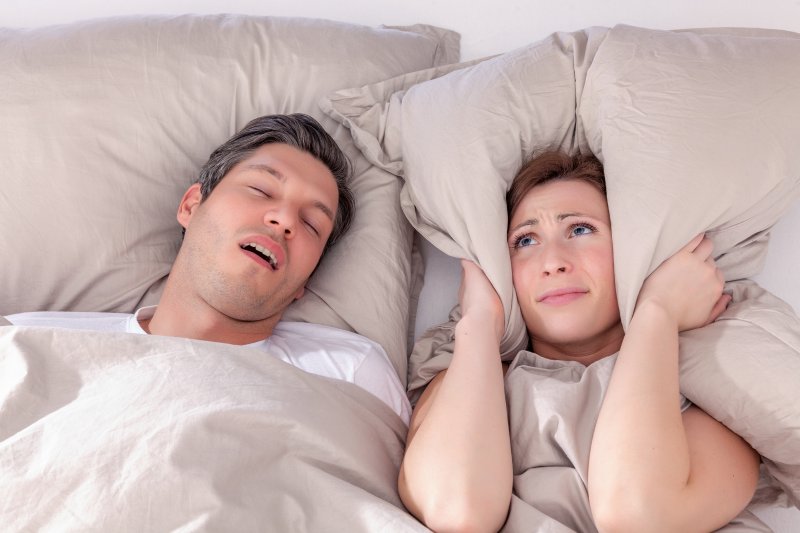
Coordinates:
689	144
121	432
107	122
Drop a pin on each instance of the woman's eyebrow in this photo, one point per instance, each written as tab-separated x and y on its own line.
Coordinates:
534	221
529	222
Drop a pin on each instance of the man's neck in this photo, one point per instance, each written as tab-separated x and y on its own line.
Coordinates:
176	316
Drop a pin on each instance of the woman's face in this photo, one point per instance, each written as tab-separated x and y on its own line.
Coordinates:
563	271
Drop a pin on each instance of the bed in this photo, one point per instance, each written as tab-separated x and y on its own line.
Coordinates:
165	455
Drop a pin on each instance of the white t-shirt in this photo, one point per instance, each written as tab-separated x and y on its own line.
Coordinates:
317	349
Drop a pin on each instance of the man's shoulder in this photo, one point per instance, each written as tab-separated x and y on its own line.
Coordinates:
306	331
316	340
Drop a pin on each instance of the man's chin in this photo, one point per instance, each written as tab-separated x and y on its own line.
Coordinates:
240	311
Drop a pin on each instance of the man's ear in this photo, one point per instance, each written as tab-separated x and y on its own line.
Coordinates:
191	199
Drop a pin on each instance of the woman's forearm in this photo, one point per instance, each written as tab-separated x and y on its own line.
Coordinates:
457	471
640	455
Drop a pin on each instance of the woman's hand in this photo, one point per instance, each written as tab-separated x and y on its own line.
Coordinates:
479	300
688	286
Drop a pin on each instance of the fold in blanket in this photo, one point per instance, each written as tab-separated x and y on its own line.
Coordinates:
119	432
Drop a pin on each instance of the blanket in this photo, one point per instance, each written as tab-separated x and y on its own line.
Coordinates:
120	432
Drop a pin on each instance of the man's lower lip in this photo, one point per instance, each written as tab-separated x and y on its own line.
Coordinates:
562	298
257	258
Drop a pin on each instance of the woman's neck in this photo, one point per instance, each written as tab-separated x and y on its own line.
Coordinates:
585	351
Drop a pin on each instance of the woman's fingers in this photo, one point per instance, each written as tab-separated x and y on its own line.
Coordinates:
700	245
694	243
719	308
704	248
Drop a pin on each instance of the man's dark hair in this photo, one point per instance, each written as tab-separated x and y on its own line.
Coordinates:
298	130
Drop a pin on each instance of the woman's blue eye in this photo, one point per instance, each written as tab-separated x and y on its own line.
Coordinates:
582	229
523	241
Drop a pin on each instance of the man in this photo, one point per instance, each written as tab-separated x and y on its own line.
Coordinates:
267	205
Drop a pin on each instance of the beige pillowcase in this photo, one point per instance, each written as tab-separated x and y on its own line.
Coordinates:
690	144
458	140
107	122
693	142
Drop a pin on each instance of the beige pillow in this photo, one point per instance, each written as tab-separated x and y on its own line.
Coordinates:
105	123
690	142
458	140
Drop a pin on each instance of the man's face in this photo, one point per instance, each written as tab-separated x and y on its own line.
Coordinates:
251	245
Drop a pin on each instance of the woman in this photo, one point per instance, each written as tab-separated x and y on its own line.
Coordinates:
654	462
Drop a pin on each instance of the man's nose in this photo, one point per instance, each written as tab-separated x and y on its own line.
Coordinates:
281	219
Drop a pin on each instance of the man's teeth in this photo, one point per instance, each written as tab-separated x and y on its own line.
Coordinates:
270	257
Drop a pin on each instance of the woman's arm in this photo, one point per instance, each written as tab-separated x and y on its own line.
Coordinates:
456	473
652	467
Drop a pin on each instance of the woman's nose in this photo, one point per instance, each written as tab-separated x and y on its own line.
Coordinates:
555	261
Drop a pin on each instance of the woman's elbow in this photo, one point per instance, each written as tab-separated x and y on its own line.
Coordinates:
454	510
626	514
466	516
616	522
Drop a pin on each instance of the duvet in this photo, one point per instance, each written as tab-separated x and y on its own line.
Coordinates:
121	432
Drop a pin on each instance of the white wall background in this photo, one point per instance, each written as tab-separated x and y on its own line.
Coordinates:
487	27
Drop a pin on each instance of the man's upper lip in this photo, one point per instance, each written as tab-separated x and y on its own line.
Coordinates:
269	244
560	292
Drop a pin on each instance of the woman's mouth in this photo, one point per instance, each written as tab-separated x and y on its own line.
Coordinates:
561	296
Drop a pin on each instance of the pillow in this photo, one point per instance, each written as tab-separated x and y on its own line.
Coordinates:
458	139
107	122
717	149
689	143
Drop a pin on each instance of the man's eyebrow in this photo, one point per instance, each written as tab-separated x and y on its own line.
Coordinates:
268	169
325	209
280	177
534	221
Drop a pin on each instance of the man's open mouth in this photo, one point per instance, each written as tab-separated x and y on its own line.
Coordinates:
261	252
